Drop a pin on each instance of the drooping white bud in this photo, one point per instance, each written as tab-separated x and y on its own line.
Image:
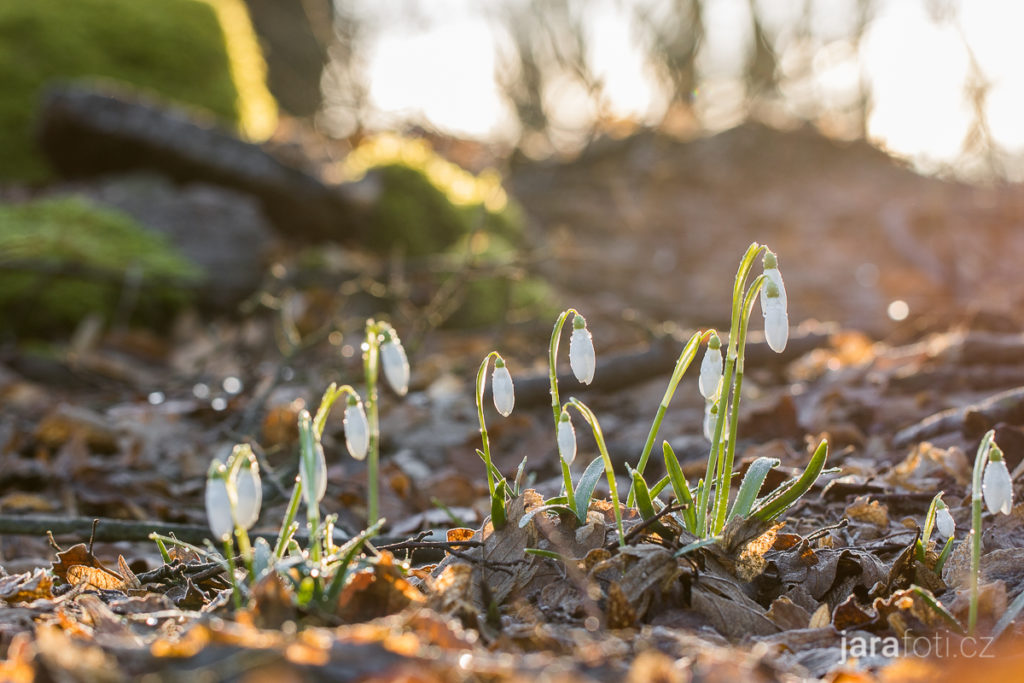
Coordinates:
218	501
248	489
944	523
582	359
357	431
711	368
312	463
776	319
710	418
997	487
501	388
395	363
771	273
566	438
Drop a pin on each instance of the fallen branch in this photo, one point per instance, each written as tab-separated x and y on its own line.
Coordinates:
127	530
1007	406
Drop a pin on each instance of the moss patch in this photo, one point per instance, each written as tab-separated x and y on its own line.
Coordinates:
65	258
197	53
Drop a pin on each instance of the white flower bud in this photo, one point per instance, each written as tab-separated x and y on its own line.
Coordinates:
710	370
218	502
249	491
997	487
710	418
502	389
312	463
566	438
395	363
582	359
357	431
944	523
772	274
776	325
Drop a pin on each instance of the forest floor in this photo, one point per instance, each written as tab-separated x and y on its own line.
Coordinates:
642	236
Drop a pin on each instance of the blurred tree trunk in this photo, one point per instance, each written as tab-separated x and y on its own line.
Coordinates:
295	35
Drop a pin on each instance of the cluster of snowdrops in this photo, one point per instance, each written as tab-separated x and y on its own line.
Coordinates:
320	570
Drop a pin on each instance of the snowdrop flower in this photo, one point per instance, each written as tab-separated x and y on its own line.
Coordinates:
395	362
566	438
248	488
357	431
312	463
711	368
996	484
218	501
772	274
776	319
581	351
501	388
943	520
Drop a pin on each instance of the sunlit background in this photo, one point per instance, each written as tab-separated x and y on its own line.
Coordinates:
935	82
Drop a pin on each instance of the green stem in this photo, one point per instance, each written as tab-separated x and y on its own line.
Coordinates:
975	536
289	520
327	402
591	419
556	404
371	368
715	454
556	334
686	357
725	474
497	504
569	491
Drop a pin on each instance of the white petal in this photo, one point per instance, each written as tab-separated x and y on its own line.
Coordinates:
218	507
503	391
396	366
566	441
249	490
581	355
709	421
997	488
944	523
357	431
775	276
710	372
776	326
314	476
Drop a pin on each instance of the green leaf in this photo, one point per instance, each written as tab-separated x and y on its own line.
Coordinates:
779	504
696	545
346	553
585	487
643	495
752	483
680	486
561	509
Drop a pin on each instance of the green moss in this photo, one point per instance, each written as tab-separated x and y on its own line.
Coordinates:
61	259
198	53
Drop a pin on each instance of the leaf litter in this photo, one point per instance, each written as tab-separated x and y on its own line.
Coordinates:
769	601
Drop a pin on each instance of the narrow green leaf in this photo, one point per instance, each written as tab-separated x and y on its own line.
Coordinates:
680	486
782	503
561	509
346	553
660	486
696	545
549	554
585	487
752	482
643	495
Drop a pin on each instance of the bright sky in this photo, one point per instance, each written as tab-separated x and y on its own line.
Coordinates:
440	66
